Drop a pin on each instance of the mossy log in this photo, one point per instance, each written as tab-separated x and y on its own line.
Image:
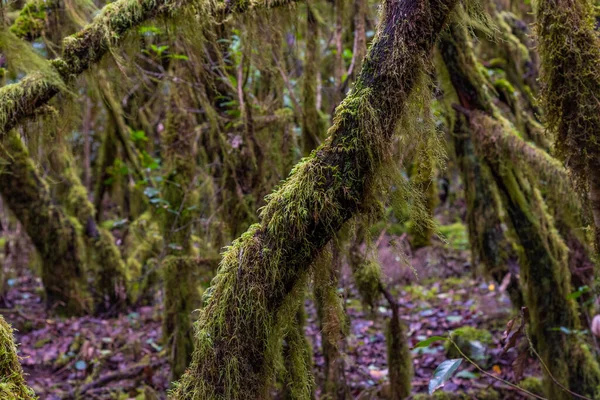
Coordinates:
254	288
54	235
12	382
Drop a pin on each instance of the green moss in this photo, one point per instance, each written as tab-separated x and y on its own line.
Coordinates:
142	246
570	73
533	385
367	276
417	292
12	382
497	63
456	235
31	21
471	341
504	85
246	304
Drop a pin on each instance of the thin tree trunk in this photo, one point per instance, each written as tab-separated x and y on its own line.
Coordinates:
311	127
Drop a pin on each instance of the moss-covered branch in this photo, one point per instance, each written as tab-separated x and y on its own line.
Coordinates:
90	44
251	296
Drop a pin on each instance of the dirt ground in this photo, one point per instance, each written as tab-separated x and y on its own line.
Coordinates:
123	358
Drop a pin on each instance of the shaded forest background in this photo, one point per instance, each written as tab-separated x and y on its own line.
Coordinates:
297	200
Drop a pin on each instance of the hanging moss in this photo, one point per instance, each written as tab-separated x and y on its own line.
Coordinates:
298	379
569	48
176	224
332	322
54	235
424	180
261	268
90	44
12	383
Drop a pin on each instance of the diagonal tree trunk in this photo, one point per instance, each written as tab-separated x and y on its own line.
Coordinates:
254	291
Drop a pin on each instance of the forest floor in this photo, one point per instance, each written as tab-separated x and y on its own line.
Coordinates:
121	357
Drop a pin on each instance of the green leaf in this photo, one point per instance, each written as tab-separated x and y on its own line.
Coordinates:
178	57
428	341
577	294
442	373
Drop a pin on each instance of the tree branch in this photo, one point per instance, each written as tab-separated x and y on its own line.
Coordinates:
89	45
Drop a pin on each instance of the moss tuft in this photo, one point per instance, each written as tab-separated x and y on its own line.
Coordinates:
12	382
471	341
533	385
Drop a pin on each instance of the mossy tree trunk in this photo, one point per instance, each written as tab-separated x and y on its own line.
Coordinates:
332	320
311	126
255	286
179	191
103	259
569	49
52	232
543	254
490	244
